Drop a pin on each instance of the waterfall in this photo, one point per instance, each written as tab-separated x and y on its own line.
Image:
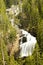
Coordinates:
27	44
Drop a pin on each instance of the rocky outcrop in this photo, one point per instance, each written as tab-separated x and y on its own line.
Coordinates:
15	47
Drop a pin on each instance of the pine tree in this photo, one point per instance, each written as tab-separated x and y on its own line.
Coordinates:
5	35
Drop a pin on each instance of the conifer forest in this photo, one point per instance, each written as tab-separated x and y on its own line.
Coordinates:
17	15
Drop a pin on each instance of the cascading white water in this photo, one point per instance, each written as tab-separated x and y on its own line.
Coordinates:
27	47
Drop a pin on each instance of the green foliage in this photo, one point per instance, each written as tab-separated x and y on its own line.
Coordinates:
6	31
12	35
31	19
12	61
11	2
40	34
5	25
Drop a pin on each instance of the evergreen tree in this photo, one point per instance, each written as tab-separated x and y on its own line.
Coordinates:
31	19
5	35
